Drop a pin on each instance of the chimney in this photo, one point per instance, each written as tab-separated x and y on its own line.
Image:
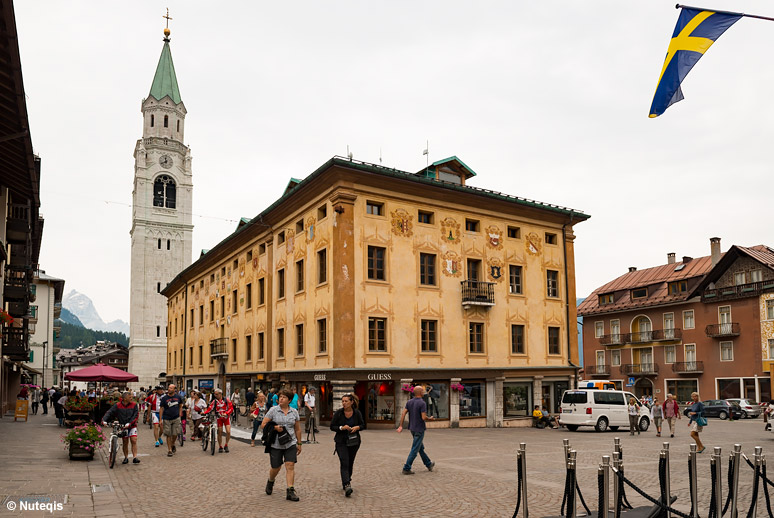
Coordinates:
632	269
671	258
715	250
687	258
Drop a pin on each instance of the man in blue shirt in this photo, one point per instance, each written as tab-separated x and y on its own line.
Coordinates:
416	408
169	417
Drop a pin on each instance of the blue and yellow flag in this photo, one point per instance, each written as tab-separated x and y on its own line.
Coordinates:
695	32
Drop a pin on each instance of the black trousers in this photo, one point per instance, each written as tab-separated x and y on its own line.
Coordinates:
346	461
45	407
34	407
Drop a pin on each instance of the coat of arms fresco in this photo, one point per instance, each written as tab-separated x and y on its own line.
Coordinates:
495	269
401	223
494	237
450	230
533	243
451	264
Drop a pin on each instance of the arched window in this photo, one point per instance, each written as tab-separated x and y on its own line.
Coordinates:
164	194
152	120
178	126
166	121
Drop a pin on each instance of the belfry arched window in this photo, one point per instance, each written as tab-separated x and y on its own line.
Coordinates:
166	121
164	194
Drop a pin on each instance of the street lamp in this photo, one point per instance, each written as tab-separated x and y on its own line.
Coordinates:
45	362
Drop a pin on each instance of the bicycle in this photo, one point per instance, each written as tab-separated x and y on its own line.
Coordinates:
181	437
118	432
209	433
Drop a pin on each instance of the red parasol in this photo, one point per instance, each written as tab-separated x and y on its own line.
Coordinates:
100	372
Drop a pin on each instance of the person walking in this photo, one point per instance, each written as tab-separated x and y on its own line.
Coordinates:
294	400
59	401
249	397
634	412
347	423
169	417
281	429
126	412
416	408
657	414
309	405
671	412
258	412
696	413
224	408
197	407
44	397
35	401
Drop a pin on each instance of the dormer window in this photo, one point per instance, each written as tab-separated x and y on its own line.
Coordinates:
607	298
639	293
678	287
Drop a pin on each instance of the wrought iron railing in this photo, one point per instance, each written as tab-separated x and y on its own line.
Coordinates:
477	293
597	370
752	289
639	368
657	335
688	367
719	330
612	339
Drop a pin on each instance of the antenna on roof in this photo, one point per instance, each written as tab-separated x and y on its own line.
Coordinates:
426	152
349	153
380	156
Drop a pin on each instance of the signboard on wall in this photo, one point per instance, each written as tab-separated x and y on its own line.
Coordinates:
630	382
206	384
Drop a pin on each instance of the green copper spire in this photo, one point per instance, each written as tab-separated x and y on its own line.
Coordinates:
165	80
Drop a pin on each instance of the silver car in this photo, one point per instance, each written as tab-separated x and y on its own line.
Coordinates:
749	407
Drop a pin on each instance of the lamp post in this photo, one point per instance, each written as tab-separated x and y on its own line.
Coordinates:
45	362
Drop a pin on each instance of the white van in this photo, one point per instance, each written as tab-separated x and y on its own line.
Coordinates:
601	409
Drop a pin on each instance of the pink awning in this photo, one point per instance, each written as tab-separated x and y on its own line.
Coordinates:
100	372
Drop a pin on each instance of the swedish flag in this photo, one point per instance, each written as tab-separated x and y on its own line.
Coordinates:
695	32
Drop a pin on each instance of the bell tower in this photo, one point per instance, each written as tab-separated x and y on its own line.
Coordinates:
161	232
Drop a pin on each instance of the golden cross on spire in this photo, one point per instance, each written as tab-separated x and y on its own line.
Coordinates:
167	17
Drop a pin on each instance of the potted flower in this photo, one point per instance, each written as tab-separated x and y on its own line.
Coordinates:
83	440
5	317
78	410
458	387
407	387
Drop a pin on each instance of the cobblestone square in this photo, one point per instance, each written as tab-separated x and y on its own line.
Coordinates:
475	473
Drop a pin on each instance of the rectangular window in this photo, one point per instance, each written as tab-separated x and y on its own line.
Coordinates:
236	264
639	293
553	341
550	238
299	275
517	339
223	306
210	354
322	212
212	311
429	343
771	349
425	217
299	339
249	256
376	270
607	298
234	350
688	322
669	326
476	337
235	301
678	287
514	232
600	359
552	283
377	339
300	226
249	296
280	343
427	269
669	354
514	279
770	309
212	278
281	284
322	266
158	331
201	356
473	399
756	276
739	278
192	317
223	271
175	356
322	336
726	351
249	348
517	399
615	358
261	292
599	329
262	249
474	269
281	237
472	225
261	343
374	208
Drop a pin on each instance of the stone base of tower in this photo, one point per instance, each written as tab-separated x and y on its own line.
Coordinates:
147	361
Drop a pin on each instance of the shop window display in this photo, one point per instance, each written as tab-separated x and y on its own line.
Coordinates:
436	398
380	401
473	399
517	399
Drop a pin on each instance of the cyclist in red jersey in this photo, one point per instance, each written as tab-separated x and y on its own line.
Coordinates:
224	408
154	402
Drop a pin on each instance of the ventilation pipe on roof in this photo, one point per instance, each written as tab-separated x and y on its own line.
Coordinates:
632	269
671	258
715	250
687	258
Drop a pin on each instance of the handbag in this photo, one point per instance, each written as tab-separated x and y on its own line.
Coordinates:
353	439
701	421
283	437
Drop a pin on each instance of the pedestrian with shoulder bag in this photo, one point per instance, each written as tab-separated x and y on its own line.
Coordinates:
347	422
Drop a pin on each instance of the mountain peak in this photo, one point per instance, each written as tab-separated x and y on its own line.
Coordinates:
82	307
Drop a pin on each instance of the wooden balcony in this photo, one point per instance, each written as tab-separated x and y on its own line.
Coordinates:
722	330
597	370
219	348
752	289
477	293
639	369
688	367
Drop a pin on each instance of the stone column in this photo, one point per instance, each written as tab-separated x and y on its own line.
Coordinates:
401	398
339	388
498	401
454	405
537	392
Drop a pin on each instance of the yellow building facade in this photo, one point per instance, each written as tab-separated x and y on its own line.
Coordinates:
370	280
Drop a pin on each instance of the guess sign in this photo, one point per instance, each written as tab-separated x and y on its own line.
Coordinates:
380	377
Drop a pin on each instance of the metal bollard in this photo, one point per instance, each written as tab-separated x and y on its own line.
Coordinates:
571	465
606	478
718	458
666	479
757	457
694	481
616	467
567	448
523	462
737	464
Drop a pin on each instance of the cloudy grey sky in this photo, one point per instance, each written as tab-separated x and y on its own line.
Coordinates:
546	100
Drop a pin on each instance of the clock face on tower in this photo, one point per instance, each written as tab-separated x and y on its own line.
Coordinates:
165	161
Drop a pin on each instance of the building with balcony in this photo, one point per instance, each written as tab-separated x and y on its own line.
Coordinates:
43	337
109	353
704	324
366	279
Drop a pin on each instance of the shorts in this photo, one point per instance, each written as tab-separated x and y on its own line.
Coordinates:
657	421
172	427
280	456
223	421
696	428
155	417
132	432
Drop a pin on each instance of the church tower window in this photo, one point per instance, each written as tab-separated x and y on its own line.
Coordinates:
166	121
168	244
178	126
152	120
164	193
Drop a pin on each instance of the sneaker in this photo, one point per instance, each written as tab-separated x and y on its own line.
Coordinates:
269	486
169	454
291	494
157	444
431	466
316	430
220	449
225	449
408	472
161	441
136	461
125	461
174	449
347	490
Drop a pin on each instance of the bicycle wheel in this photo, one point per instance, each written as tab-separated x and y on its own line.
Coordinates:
113	451
213	440
205	439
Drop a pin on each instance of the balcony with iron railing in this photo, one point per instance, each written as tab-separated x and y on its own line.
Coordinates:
16	342
597	370
219	348
17	283
477	293
639	369
752	289
57	309
688	367
658	335
722	330
612	339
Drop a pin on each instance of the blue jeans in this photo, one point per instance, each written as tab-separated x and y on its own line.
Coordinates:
256	425
417	448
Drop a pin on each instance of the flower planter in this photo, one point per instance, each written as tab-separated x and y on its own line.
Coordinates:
77	419
79	452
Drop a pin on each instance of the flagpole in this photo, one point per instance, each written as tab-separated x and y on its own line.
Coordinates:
678	6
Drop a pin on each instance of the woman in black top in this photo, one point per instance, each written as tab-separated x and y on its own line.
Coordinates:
347	423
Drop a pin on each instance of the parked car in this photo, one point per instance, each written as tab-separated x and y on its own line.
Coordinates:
721	408
601	409
750	408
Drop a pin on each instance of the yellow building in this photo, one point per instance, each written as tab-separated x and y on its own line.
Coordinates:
366	279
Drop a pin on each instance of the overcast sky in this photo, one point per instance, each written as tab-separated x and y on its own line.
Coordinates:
546	100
